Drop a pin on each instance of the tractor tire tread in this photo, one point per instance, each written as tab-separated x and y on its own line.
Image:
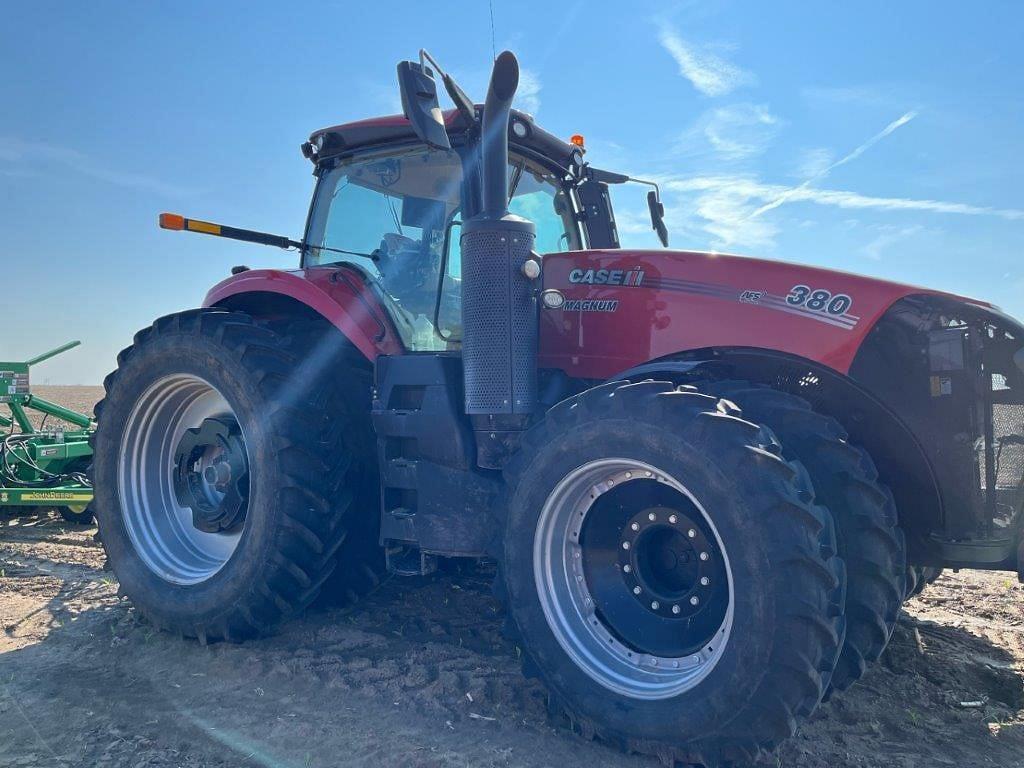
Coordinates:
846	480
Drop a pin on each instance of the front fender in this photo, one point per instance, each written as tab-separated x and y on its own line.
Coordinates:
340	295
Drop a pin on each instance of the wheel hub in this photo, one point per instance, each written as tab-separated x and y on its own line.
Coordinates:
667	562
211	475
650	565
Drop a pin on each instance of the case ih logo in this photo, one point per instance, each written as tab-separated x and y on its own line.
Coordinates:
607	276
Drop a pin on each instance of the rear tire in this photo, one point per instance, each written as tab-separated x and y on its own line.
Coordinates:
302	475
846	481
360	567
785	581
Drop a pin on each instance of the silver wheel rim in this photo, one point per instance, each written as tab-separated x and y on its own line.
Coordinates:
159	527
569	607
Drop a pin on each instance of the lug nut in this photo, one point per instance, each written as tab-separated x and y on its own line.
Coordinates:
703	555
627	568
652	517
704	581
636	590
629	474
694	600
672	519
676	609
649	474
655	604
691	533
625	545
635	526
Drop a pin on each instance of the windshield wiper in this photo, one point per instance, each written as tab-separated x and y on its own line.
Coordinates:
375	256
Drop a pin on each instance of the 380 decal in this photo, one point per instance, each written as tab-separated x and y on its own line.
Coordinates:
819	300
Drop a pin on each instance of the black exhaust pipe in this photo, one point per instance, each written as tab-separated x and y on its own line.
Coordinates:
499	304
494	130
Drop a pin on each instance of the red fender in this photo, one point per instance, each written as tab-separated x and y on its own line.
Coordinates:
339	295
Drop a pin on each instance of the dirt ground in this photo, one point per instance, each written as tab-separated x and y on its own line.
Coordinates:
419	675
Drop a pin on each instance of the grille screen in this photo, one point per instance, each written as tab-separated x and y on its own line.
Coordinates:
499	320
1008	431
1005	502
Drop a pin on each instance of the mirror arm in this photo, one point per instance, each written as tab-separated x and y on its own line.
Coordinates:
462	102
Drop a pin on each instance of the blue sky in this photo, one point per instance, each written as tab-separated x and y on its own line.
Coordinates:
874	137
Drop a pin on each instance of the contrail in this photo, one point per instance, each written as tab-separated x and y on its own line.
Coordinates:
898	122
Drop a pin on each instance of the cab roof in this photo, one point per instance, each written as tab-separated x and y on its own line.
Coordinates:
339	139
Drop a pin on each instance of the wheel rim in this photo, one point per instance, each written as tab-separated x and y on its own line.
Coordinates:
161	524
633	578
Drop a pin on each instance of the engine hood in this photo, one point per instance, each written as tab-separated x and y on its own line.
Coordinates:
665	302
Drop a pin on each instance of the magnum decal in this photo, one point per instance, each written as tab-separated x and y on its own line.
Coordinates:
591	305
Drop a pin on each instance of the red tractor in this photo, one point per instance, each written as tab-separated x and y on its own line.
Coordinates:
709	482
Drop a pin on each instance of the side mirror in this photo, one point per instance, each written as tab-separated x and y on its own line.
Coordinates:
419	103
657	217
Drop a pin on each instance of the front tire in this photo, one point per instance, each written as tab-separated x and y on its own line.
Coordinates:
706	683
224	474
870	540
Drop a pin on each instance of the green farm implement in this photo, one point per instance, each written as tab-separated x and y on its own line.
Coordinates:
42	466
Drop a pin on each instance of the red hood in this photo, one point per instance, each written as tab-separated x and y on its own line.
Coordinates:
653	304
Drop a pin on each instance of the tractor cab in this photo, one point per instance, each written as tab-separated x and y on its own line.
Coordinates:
392	207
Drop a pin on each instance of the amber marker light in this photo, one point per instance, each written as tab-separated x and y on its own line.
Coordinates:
172	221
576	140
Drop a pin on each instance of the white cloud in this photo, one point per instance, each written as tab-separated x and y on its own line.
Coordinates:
888	237
757	190
739	131
726	214
814	161
14	150
794	191
528	95
709	73
723	207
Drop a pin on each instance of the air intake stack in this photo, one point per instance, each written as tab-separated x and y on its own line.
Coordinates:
499	304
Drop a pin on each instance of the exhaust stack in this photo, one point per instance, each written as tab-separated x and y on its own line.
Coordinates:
499	305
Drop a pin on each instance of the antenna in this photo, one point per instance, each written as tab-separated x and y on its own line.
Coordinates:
494	50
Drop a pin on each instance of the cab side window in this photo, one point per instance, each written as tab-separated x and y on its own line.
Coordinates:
538	196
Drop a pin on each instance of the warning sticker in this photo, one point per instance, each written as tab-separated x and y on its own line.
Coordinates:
941	386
